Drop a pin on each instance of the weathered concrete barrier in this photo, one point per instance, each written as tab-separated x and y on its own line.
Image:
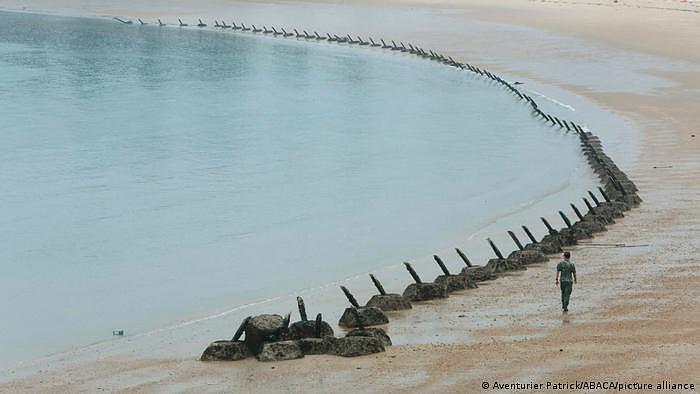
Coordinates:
305	328
226	351
501	264
280	351
590	223
451	282
387	302
526	255
475	273
357	315
544	247
557	237
372	332
420	291
265	328
598	217
580	232
356	346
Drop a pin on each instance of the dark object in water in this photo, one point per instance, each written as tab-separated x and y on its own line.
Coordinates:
201	24
181	24
160	23
126	22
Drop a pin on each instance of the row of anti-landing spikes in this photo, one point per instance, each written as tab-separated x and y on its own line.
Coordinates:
415	50
497	252
612	171
429	54
600	162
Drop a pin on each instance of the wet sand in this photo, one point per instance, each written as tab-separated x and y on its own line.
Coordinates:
635	313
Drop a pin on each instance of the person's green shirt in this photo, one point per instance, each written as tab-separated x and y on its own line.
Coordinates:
566	268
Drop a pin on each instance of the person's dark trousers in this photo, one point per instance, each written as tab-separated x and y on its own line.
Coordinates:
566	288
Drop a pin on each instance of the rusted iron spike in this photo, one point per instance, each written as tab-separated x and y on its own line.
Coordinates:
350	297
319	321
358	318
588	204
464	257
549	226
566	219
594	198
302	308
377	284
605	195
241	329
495	248
529	235
413	273
576	211
516	240
439	262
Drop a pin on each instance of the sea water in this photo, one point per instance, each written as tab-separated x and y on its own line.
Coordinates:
153	175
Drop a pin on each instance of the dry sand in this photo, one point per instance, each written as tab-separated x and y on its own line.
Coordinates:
635	315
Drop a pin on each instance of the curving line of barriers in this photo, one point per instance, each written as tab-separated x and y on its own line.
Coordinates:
273	337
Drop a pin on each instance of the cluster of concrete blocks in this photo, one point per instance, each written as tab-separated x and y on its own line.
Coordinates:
272	338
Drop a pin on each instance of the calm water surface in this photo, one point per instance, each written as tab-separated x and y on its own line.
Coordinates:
152	175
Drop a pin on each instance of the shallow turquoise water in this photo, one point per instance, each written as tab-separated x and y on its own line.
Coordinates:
152	175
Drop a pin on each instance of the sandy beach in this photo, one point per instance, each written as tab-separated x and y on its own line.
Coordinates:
635	314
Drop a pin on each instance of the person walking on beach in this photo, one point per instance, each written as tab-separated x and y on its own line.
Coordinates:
566	277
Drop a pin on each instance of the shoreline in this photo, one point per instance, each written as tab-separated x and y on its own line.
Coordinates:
649	185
